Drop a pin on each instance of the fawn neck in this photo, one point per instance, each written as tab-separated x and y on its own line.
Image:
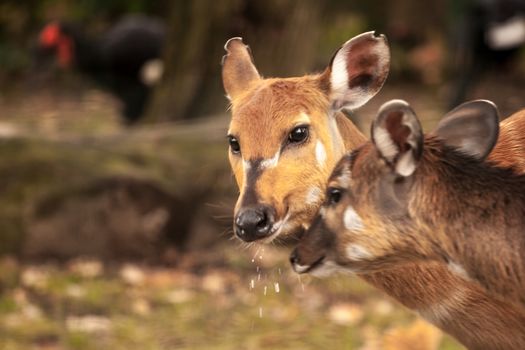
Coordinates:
474	204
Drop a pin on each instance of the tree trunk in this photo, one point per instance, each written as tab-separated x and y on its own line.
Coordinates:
282	34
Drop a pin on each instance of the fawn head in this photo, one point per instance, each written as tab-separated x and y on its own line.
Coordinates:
374	195
284	138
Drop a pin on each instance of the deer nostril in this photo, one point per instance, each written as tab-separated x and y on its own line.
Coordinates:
262	225
253	223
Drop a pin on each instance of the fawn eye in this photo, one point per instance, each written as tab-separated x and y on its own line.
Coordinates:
298	134
234	145
334	195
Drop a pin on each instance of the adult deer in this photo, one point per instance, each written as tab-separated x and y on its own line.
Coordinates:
285	137
405	198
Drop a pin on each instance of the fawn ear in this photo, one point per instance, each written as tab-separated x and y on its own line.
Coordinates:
357	71
238	70
397	136
472	128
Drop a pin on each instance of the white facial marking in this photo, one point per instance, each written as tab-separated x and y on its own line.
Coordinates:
458	270
271	162
320	153
357	252
352	220
384	143
314	195
303	119
246	166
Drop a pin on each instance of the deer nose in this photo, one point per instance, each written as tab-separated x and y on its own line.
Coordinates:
253	223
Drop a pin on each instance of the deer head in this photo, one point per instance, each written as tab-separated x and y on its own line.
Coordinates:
285	133
382	194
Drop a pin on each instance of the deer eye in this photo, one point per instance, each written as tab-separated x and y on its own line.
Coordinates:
334	195
234	145
298	134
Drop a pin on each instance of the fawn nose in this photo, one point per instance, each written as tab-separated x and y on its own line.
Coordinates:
294	258
253	223
295	261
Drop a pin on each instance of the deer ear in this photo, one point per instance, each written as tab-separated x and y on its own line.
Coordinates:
397	136
238	70
472	128
357	71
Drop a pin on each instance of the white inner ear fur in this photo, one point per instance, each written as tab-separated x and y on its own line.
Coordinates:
339	75
343	97
352	220
406	164
471	148
384	143
320	153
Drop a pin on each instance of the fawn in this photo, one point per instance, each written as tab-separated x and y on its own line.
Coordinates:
403	198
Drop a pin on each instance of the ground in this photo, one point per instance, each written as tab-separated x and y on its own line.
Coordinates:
224	297
235	299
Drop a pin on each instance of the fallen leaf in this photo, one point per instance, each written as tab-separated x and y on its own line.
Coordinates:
35	277
345	314
419	335
89	324
86	268
132	274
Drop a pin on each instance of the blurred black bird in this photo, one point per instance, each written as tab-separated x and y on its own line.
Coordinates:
488	35
125	60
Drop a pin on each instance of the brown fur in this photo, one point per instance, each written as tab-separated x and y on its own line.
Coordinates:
509	151
478	320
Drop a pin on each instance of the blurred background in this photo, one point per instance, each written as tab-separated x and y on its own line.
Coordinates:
116	194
